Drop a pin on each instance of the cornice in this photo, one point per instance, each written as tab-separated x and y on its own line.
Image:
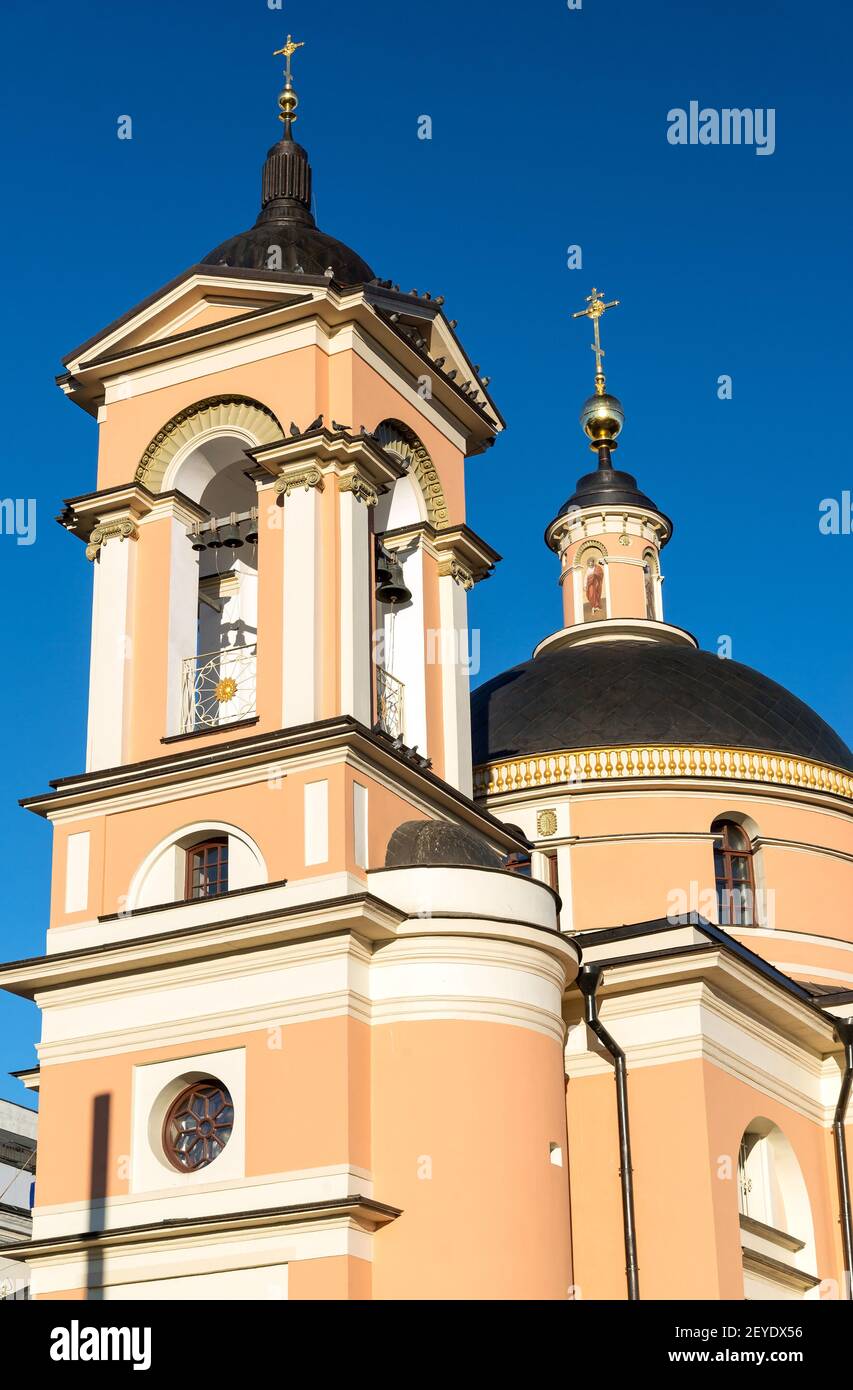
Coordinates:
652	763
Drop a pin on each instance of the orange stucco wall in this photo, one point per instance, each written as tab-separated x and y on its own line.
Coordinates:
317	1072
687	1121
463	1116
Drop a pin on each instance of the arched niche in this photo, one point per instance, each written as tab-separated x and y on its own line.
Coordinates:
652	585
401	441
160	878
197	428
591	583
777	1227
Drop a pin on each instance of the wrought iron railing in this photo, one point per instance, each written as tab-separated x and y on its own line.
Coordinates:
219	688
389	702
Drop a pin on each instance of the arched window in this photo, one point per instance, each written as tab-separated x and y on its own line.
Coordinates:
733	873
777	1231
207	869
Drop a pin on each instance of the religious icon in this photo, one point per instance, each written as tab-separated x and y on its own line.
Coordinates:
593	590
650	590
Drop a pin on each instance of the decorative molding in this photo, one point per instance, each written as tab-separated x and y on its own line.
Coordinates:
546	823
304	477
124	530
214	412
579	767
402	442
360	487
450	567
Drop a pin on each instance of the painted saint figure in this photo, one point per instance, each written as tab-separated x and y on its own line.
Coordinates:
650	590
594	585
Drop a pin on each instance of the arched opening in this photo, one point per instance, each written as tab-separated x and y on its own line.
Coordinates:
214	584
652	585
775	1217
200	861
734	873
399	655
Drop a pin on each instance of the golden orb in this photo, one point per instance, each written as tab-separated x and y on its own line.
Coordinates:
602	418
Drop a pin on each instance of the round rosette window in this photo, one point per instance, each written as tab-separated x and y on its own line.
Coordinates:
198	1125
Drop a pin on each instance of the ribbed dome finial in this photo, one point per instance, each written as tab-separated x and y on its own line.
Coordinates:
287	171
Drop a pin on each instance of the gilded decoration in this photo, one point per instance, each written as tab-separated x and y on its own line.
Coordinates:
124	530
546	823
361	489
578	767
305	478
448	566
216	412
403	443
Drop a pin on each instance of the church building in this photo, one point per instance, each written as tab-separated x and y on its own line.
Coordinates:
360	986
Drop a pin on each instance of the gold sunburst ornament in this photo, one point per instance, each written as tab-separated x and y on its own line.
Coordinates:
225	690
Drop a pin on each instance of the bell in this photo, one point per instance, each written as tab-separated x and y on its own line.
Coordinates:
231	535
383	567
392	590
198	541
252	533
215	542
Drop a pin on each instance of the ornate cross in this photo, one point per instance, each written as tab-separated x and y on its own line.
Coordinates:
287	52
596	307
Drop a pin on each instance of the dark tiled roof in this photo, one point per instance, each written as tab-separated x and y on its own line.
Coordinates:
291	246
433	842
632	692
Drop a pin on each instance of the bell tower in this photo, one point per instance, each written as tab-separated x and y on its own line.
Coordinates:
284	948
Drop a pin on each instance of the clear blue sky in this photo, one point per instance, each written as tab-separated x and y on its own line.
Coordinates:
549	129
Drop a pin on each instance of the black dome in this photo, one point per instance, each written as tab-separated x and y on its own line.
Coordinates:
608	487
285	237
439	842
305	250
607	693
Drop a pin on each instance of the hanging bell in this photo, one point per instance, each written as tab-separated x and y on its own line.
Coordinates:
392	591
215	542
383	566
198	541
231	535
252	532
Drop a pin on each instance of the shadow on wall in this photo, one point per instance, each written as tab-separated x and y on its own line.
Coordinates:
97	1192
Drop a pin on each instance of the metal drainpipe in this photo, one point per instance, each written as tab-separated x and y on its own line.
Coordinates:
588	982
844	1033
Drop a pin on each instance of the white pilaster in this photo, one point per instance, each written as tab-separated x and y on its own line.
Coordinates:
303	627
111	652
455	682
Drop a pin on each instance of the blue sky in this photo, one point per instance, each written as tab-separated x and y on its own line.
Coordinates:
549	130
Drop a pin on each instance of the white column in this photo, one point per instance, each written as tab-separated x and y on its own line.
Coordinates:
355	607
455	682
111	653
183	617
303	619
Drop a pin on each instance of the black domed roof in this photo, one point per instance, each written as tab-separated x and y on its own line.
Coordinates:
608	487
607	693
439	842
285	237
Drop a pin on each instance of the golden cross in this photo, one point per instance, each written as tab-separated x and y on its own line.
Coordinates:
288	51
595	308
